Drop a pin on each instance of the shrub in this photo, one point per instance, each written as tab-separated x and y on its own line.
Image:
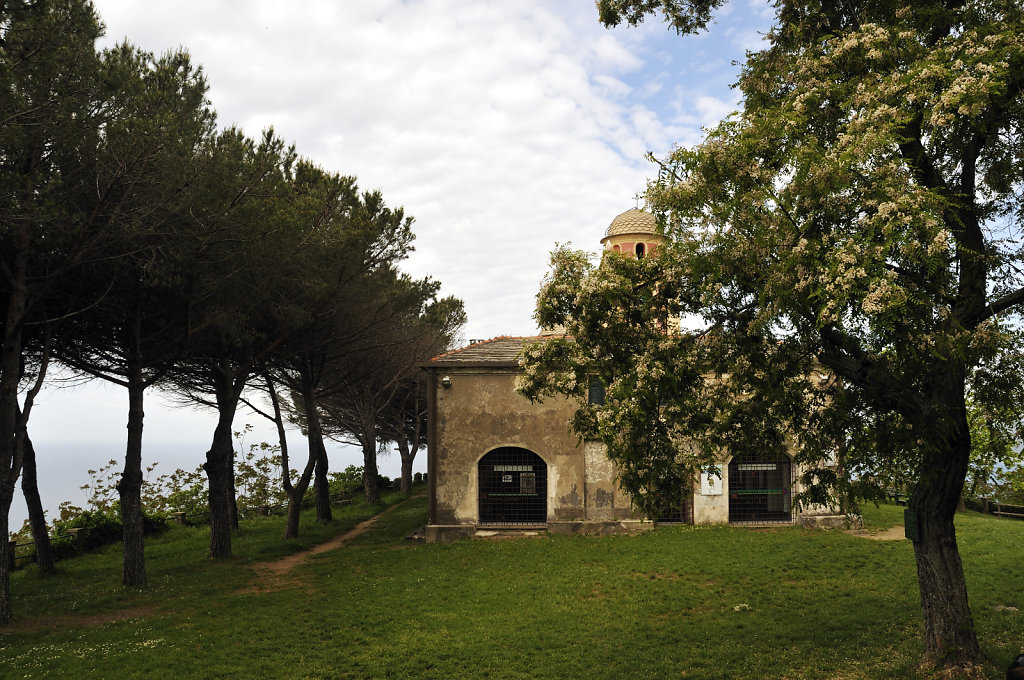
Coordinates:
346	483
976	504
100	528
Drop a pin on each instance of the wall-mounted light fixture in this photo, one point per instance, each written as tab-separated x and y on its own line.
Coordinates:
446	381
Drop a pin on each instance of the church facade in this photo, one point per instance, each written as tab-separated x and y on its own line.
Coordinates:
499	463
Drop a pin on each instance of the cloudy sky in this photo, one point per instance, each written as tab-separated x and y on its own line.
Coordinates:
502	126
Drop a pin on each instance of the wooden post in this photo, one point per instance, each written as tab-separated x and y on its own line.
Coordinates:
179	519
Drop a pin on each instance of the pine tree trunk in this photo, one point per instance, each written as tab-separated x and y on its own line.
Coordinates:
296	492
322	486
36	516
407	474
219	466
216	467
408	456
10	417
291	528
371	478
129	487
317	451
295	495
232	491
5	558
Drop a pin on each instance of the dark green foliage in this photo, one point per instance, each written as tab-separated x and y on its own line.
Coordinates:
99	528
346	483
685	16
141	246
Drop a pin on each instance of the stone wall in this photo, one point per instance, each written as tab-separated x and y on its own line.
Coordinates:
480	412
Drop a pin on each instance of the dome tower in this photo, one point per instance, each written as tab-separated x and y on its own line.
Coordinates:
633	233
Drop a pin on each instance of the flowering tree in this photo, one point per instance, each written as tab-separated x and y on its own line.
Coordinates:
859	215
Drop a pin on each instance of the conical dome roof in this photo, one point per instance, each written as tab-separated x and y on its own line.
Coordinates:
633	221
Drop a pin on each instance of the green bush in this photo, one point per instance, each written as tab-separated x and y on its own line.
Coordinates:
975	504
100	528
346	483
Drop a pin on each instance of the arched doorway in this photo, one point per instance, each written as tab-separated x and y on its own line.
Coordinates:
513	485
760	488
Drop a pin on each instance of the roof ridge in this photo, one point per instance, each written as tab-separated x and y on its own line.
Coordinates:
497	338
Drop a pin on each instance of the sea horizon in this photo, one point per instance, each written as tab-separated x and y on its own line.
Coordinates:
63	467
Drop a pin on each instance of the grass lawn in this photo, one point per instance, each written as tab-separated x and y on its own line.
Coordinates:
679	602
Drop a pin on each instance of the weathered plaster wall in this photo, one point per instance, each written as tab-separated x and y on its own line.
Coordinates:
605	501
711	498
480	412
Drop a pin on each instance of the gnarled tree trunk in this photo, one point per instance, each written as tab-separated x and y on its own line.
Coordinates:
317	451
11	419
219	467
408	456
371	478
950	638
36	516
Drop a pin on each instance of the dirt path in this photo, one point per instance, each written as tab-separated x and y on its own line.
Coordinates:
270	576
274	574
896	533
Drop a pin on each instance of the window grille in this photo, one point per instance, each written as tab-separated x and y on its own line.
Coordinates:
680	511
679	514
513	487
760	489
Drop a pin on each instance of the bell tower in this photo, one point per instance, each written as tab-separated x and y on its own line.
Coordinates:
633	233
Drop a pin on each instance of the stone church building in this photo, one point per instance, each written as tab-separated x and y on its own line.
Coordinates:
497	462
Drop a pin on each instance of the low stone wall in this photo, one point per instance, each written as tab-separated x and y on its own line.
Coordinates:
624	526
447	533
830	521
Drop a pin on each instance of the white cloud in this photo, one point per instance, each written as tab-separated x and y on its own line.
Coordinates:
502	127
712	110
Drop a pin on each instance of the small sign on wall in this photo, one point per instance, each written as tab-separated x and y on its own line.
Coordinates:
711	481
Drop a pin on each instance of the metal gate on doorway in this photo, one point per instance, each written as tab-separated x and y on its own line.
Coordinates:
680	511
760	489
513	487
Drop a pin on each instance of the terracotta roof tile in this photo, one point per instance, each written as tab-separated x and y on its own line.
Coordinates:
501	351
633	221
